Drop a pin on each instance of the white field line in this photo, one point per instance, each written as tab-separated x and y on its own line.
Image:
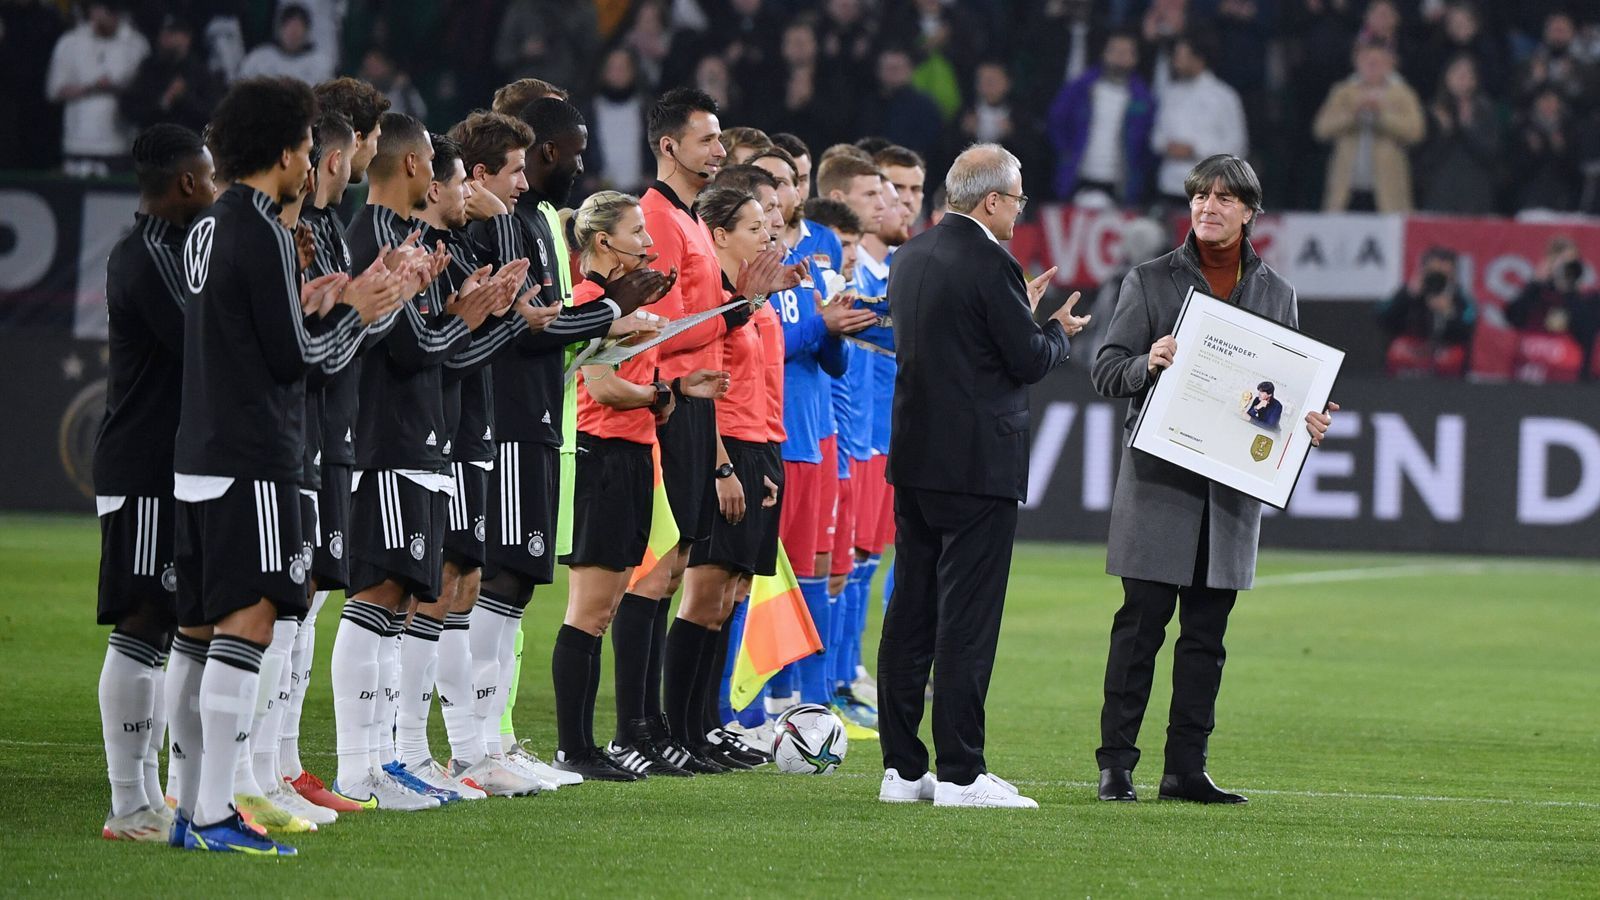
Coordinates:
1422	570
1321	795
1316	795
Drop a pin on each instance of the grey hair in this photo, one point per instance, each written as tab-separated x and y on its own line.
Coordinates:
979	171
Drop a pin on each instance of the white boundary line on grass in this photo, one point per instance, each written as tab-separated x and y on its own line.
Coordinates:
1316	795
1418	570
1325	795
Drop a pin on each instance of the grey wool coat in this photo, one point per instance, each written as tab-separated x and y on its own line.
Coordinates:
1157	507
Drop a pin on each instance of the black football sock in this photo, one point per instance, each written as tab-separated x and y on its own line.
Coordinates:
654	673
592	692
631	634
681	658
569	667
718	662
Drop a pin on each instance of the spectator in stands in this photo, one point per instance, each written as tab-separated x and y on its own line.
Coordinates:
847	36
712	76
1545	154
380	70
1100	128
651	42
1556	64
1553	303
30	129
174	84
803	96
947	41
997	116
745	36
293	55
1319	58
618	151
548	39
897	110
1430	318
1241	28
1459	32
1197	116
1380	24
90	66
1370	119
1460	162
1163	23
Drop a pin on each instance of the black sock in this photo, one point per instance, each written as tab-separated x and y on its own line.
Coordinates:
569	667
681	659
631	633
596	647
696	719
658	650
718	653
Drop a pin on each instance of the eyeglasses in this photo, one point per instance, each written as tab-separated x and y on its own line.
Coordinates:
1022	199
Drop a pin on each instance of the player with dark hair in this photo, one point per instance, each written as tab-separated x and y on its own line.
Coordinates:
364	105
528	400
133	472
251	332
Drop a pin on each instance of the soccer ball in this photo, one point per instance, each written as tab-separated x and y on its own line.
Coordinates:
810	741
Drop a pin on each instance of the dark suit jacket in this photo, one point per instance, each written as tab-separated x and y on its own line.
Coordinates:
967	348
1267	417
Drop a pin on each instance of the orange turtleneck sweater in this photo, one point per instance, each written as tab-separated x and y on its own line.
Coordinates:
1221	266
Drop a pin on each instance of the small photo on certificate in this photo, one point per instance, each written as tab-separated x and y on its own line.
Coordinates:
1230	407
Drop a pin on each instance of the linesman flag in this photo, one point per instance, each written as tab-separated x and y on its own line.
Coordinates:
777	631
664	532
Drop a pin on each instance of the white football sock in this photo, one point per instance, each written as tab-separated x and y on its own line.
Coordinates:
305	648
453	684
184	671
158	734
227	706
275	666
419	665
354	671
127	701
493	623
380	740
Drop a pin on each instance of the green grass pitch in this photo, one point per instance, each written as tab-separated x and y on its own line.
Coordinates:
1403	726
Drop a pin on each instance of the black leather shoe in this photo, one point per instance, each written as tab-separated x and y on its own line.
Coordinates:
1117	785
1196	787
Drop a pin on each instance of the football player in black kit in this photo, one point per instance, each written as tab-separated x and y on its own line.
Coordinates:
252	329
133	471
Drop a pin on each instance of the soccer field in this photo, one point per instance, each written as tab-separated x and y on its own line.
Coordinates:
1403	726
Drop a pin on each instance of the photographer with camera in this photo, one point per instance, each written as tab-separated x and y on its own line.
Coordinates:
1555	303
1429	320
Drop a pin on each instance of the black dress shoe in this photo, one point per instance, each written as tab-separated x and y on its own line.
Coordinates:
1196	787
1117	785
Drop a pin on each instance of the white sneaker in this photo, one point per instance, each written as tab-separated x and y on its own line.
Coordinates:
898	790
379	790
143	825
291	802
495	778
984	792
521	754
435	775
520	765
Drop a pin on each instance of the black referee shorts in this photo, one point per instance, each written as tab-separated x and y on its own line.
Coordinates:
136	558
522	510
688	464
738	546
238	548
612	499
466	528
397	534
330	558
767	559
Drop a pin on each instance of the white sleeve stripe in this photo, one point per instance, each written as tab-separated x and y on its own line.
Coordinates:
314	349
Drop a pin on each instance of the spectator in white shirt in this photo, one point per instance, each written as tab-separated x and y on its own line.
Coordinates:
293	55
1197	115
90	66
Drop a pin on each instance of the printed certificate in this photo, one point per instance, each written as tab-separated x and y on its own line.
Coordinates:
1232	405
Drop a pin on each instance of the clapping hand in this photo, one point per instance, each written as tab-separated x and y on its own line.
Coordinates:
1073	324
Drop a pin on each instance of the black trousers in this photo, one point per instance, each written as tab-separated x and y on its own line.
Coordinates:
952	563
1137	633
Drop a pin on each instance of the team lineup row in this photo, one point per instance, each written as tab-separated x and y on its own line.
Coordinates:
398	408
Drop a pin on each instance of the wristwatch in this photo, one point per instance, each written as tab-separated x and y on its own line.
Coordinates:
725	470
663	396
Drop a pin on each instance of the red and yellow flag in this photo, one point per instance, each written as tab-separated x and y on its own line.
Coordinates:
777	631
664	532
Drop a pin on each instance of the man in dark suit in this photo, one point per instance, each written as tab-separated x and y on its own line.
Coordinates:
967	348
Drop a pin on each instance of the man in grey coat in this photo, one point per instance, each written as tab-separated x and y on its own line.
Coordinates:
1179	541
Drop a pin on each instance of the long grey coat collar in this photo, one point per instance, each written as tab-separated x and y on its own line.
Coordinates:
1186	271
